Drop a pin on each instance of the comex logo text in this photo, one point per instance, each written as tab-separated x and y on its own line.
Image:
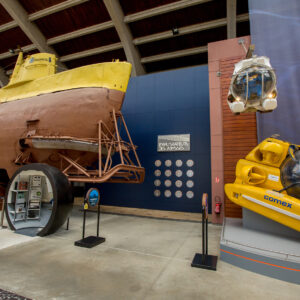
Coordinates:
283	203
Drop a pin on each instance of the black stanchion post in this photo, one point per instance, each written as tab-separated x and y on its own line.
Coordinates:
203	236
92	198
206	235
98	219
204	260
83	225
68	223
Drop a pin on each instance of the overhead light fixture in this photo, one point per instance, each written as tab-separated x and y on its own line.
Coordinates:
175	30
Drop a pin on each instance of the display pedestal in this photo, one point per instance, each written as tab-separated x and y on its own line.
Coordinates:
90	241
205	261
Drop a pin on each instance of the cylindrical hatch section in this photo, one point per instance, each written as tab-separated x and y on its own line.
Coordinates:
38	200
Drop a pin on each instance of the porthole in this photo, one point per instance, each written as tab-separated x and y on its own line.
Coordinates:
189	173
178	183
168	183
157	173
178	173
157	163
168	193
190	183
168	163
178	194
168	173
190	163
190	194
157	193
157	182
178	163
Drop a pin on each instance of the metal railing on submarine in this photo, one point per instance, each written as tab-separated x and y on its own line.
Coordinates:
106	145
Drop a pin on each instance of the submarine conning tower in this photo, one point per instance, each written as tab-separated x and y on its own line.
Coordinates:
33	67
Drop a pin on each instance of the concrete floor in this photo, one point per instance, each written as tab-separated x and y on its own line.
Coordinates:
142	258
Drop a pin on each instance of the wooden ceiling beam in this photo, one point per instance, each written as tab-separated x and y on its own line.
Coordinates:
43	13
25	49
18	13
132	55
54	9
90	52
137	41
231	19
162	10
3	78
187	30
175	54
80	32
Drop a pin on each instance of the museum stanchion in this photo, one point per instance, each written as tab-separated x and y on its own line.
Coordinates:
92	199
2	214
204	260
68	223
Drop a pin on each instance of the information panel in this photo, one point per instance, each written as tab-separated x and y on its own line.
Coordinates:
173	143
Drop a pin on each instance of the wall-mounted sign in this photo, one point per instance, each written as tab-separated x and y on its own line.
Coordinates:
93	197
173	143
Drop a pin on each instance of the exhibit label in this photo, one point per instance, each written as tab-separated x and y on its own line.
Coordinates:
93	196
173	143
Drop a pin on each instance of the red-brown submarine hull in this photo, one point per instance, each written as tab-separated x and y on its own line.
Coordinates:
73	113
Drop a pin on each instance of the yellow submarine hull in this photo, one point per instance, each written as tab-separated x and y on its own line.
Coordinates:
259	185
112	75
279	207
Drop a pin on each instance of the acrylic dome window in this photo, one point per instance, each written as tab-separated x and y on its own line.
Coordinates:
253	86
38	200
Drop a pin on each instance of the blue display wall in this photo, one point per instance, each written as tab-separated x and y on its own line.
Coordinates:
174	102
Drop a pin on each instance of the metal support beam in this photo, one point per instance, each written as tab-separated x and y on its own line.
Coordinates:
18	13
3	78
231	19
162	10
115	11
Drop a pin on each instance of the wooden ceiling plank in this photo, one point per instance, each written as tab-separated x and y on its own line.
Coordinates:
18	13
174	54
90	52
132	55
162	9
231	19
7	26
